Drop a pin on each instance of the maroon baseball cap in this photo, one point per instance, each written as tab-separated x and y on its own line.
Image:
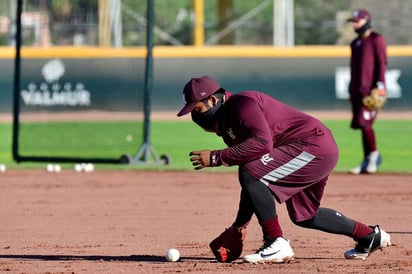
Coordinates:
196	90
360	14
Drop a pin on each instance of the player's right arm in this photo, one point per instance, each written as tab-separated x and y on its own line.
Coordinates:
381	60
249	133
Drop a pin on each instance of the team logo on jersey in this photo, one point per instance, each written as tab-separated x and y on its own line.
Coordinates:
230	133
265	159
214	160
369	114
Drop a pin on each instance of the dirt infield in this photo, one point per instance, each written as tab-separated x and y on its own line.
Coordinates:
124	221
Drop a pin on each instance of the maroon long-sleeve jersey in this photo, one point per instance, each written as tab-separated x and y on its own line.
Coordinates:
368	64
254	123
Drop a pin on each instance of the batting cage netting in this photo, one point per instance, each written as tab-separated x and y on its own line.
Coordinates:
78	96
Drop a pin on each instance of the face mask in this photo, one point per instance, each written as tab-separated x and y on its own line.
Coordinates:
364	28
208	118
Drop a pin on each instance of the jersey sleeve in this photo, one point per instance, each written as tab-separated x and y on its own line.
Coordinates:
381	59
249	124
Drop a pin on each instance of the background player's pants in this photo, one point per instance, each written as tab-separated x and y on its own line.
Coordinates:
368	141
363	119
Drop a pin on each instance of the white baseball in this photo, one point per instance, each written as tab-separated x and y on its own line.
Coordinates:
50	167
78	167
172	255
2	168
57	168
129	137
89	167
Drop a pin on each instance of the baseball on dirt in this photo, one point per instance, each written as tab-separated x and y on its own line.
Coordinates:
2	168
57	168
172	255
53	168
89	167
78	167
50	167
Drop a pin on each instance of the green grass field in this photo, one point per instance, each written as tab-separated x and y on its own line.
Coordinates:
178	138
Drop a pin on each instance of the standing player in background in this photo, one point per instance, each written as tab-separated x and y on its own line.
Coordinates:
368	65
282	154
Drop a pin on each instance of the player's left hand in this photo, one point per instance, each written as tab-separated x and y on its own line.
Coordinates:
375	100
228	245
200	159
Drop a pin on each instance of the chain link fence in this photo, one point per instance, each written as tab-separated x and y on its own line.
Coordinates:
226	22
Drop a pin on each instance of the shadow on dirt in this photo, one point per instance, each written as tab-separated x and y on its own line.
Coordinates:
131	258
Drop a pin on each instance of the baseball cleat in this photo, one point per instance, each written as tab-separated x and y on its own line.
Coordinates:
378	239
277	251
374	160
360	169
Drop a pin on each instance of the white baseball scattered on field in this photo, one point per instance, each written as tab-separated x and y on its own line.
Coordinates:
78	167
86	167
50	167
53	168
172	255
89	167
57	168
129	137
3	168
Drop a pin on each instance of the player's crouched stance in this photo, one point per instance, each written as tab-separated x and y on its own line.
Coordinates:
228	247
283	154
280	251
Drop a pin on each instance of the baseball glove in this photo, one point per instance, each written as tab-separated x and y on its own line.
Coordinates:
228	246
375	100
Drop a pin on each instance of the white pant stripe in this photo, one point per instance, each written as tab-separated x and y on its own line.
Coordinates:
293	165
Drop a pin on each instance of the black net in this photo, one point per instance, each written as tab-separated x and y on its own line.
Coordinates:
80	93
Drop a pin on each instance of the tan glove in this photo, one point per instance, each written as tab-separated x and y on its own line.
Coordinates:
375	100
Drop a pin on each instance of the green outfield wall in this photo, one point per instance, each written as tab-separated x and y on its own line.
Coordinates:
73	78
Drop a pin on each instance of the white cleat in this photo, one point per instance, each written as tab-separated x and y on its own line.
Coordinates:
359	169
278	251
374	160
